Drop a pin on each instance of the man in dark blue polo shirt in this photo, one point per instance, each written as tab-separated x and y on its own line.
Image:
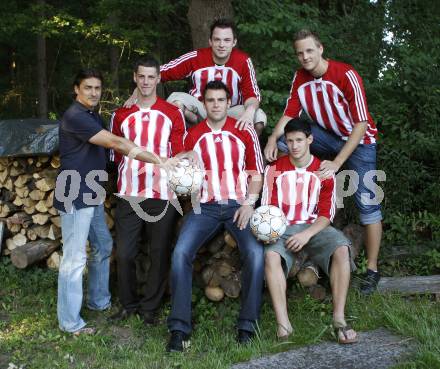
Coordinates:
79	198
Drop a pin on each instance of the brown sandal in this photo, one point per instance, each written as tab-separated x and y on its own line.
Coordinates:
84	331
342	327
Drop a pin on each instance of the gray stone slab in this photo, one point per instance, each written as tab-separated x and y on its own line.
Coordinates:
378	349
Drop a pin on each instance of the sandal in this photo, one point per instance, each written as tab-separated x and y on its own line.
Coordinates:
341	328
84	331
284	337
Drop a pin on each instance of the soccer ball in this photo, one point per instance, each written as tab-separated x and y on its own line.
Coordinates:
268	223
185	178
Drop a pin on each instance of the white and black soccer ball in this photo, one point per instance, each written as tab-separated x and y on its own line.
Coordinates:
268	223
185	179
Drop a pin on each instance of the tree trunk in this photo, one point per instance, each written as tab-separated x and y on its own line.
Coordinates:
42	72
201	14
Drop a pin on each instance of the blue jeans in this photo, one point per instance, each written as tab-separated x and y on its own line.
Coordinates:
326	146
76	227
198	229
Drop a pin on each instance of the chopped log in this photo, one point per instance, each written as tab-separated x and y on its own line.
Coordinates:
355	233
15	171
49	199
40	218
20	218
13	228
41	231
29	209
37	195
216	244
45	184
307	277
32	252
230	241
7	209
54	232
56	220
214	293
55	162
4	174
30	234
210	277
19	239
299	260
317	292
18	201
41	206
54	260
46	173
30	161
28	202
223	268
231	286
410	285
8	184
22	180
52	211
22	192
10	245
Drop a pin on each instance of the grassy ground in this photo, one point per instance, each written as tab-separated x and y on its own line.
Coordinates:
29	336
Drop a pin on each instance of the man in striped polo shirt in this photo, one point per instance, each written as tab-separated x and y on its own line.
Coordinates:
331	93
158	126
308	202
233	164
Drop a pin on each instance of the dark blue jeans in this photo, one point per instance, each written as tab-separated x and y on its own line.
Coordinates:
196	230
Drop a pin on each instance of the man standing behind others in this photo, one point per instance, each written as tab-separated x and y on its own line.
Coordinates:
79	199
221	61
231	159
333	96
159	126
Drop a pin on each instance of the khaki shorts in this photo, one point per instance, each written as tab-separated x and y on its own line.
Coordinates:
197	107
319	249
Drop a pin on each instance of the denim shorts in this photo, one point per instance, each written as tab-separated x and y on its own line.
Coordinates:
319	249
362	161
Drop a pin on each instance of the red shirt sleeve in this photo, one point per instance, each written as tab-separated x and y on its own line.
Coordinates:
327	199
179	68
293	106
178	133
254	159
248	84
115	128
189	141
354	92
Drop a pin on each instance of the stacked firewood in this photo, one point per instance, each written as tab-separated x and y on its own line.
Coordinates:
31	231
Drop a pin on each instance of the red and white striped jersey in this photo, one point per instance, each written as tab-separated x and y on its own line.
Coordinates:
238	73
228	155
298	192
336	101
159	129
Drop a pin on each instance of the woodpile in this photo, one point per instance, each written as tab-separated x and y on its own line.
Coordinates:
30	229
30	226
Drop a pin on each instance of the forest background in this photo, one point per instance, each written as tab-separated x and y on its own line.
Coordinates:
394	45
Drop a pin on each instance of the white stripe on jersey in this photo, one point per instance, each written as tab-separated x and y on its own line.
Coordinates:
257	149
360	104
253	79
112	152
267	187
290	95
179	60
328	108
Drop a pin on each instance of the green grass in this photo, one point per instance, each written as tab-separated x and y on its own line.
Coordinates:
29	334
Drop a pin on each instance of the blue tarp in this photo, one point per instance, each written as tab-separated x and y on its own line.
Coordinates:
28	137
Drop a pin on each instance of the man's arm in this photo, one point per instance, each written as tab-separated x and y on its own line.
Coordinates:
126	147
251	105
245	211
330	167
271	149
296	242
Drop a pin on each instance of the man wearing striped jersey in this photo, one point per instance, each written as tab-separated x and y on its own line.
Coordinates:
332	95
159	127
233	164
308	202
221	61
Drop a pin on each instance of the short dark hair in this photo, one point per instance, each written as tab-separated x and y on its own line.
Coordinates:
298	125
223	23
216	85
148	62
87	73
305	33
